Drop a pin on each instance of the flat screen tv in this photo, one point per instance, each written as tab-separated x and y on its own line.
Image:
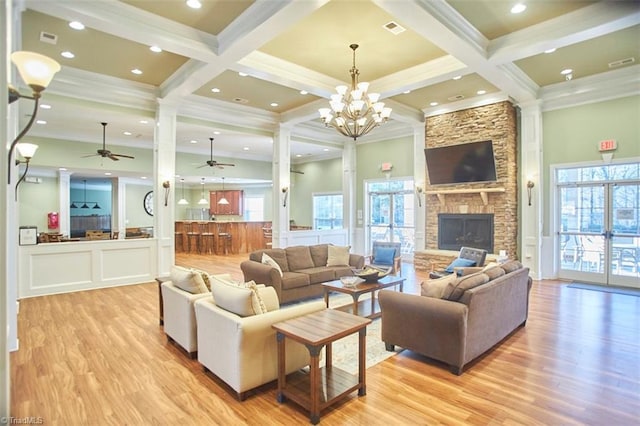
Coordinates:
467	162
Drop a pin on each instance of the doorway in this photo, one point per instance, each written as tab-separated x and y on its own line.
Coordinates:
391	216
599	218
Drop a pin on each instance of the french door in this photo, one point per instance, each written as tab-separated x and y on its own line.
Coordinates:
391	213
599	233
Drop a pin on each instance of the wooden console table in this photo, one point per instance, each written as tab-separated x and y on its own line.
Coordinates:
321	386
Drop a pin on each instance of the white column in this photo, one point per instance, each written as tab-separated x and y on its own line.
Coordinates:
349	194
64	197
281	180
530	170
419	179
164	162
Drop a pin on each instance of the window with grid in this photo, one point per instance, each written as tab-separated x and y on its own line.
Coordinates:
327	211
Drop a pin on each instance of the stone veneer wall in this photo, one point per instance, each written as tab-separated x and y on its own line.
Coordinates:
498	123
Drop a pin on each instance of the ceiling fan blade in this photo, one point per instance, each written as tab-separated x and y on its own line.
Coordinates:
113	157
204	165
123	156
225	164
90	155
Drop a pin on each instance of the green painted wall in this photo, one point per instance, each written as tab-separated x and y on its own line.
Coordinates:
319	177
135	215
571	135
36	201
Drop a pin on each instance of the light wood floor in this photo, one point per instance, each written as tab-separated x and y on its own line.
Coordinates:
100	358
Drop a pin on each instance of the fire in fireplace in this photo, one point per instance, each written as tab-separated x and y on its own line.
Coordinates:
465	230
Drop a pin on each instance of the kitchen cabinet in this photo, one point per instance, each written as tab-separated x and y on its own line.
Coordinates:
235	206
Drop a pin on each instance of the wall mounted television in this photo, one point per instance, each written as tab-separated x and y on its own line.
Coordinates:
462	163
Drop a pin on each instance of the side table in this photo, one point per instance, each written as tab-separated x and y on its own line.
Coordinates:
321	386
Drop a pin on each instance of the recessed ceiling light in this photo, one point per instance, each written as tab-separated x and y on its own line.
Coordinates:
242	74
298	155
550	50
518	8
63	169
194	4
273	104
143	177
41	121
67	54
45	106
481	92
107	173
126	133
457	77
433	103
76	25
215	90
406	92
325	149
156	49
304	92
246	148
566	71
193	141
136	71
216	132
144	122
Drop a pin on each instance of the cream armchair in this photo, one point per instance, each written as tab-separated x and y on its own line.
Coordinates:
242	351
179	316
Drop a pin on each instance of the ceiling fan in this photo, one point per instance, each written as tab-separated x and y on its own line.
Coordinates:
104	152
213	163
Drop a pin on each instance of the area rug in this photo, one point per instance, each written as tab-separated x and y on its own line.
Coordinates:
607	289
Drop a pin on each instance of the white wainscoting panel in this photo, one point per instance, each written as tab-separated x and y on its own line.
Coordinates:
337	237
53	268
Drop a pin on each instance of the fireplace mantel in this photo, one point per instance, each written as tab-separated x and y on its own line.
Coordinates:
482	191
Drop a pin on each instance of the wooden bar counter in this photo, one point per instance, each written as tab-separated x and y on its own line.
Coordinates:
245	236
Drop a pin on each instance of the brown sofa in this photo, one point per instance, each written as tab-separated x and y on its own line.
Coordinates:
463	324
304	268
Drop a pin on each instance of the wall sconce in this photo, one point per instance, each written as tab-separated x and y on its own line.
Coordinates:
285	191
530	186
419	195
37	72
26	150
167	187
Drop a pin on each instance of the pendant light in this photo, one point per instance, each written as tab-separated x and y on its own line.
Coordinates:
183	201
203	200
85	206
223	200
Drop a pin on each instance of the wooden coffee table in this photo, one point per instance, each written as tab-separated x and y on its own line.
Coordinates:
364	308
321	386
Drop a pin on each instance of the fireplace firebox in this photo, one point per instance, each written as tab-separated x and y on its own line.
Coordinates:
465	230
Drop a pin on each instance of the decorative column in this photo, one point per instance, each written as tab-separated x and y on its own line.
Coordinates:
349	195
64	195
164	164
281	184
419	180
531	196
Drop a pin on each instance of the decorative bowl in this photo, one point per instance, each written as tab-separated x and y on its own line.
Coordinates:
349	281
371	275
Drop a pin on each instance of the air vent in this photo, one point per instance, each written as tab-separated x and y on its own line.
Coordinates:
456	98
394	28
240	100
621	62
48	37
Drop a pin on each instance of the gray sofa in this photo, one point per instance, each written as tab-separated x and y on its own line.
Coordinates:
304	268
466	322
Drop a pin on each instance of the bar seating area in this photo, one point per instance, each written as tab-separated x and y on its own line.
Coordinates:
220	237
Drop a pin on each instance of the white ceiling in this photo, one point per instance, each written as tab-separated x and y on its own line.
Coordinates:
287	46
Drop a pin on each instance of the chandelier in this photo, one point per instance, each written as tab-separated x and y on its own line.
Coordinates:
355	112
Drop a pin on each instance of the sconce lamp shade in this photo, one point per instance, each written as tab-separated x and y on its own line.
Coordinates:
36	70
27	150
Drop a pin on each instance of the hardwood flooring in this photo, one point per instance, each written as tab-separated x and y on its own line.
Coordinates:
100	358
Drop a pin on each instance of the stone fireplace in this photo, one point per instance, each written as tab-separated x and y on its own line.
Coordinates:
499	199
465	230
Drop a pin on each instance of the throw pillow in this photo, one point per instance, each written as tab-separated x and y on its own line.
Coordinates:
511	266
269	297
459	263
489	265
438	287
338	256
268	260
384	256
239	300
205	278
494	272
188	280
299	258
465	283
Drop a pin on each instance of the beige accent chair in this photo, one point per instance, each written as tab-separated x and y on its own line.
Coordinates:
179	316
242	351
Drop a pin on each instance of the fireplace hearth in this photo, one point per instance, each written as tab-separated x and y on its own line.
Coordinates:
465	230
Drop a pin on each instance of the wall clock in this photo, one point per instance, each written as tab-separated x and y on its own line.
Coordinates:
148	203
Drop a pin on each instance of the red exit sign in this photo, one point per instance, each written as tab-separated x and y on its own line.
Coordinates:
607	145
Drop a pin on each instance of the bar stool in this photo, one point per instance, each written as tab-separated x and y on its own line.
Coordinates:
223	239
193	236
206	238
179	237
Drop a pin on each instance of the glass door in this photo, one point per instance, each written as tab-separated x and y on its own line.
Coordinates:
600	233
391	215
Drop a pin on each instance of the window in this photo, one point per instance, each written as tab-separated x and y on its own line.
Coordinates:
254	208
327	211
